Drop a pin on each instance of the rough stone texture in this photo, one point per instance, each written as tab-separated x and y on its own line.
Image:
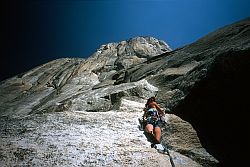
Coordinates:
180	136
195	84
81	139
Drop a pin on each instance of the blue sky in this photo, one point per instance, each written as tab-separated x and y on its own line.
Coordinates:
42	30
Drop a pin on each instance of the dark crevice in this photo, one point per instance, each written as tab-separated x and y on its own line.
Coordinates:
217	108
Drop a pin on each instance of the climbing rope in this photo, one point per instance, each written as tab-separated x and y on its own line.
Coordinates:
170	157
166	148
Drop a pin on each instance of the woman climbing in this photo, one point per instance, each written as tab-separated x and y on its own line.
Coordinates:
152	113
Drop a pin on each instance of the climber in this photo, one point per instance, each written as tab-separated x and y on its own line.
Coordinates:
152	114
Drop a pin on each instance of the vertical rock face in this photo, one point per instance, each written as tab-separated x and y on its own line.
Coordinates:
86	101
